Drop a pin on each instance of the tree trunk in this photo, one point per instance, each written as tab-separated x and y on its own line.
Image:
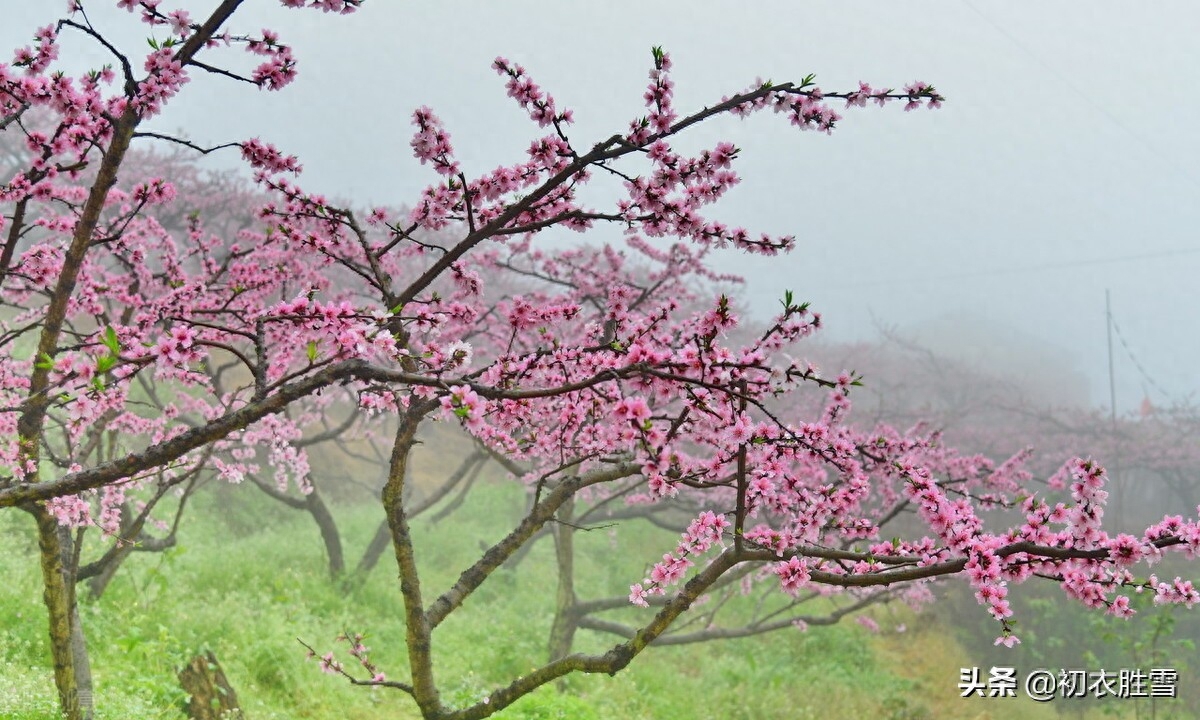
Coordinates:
417	627
108	569
83	666
314	505
59	597
212	697
566	621
469	469
370	557
329	533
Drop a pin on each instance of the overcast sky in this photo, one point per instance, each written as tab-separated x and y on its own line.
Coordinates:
1062	165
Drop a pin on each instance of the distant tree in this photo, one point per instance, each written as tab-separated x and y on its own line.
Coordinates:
210	347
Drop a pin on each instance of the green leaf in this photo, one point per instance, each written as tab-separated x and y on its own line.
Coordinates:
44	362
105	363
311	351
111	341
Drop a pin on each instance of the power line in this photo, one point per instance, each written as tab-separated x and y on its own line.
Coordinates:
1080	94
1133	358
1026	268
1087	99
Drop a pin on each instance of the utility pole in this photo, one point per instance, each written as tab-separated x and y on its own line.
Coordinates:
1115	475
1112	378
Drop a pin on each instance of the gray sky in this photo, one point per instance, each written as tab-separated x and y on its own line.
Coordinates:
1062	164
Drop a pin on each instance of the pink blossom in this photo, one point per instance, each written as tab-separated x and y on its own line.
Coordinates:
329	664
793	574
634	409
868	622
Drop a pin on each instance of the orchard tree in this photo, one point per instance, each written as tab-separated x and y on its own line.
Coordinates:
223	199
73	238
1154	467
596	388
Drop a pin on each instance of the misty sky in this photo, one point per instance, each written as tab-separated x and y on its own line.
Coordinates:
1062	165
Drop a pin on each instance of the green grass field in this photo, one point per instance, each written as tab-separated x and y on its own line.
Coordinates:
248	579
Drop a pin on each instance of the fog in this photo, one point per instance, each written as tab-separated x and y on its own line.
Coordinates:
1060	167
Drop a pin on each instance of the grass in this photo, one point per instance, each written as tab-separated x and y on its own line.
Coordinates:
248	579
